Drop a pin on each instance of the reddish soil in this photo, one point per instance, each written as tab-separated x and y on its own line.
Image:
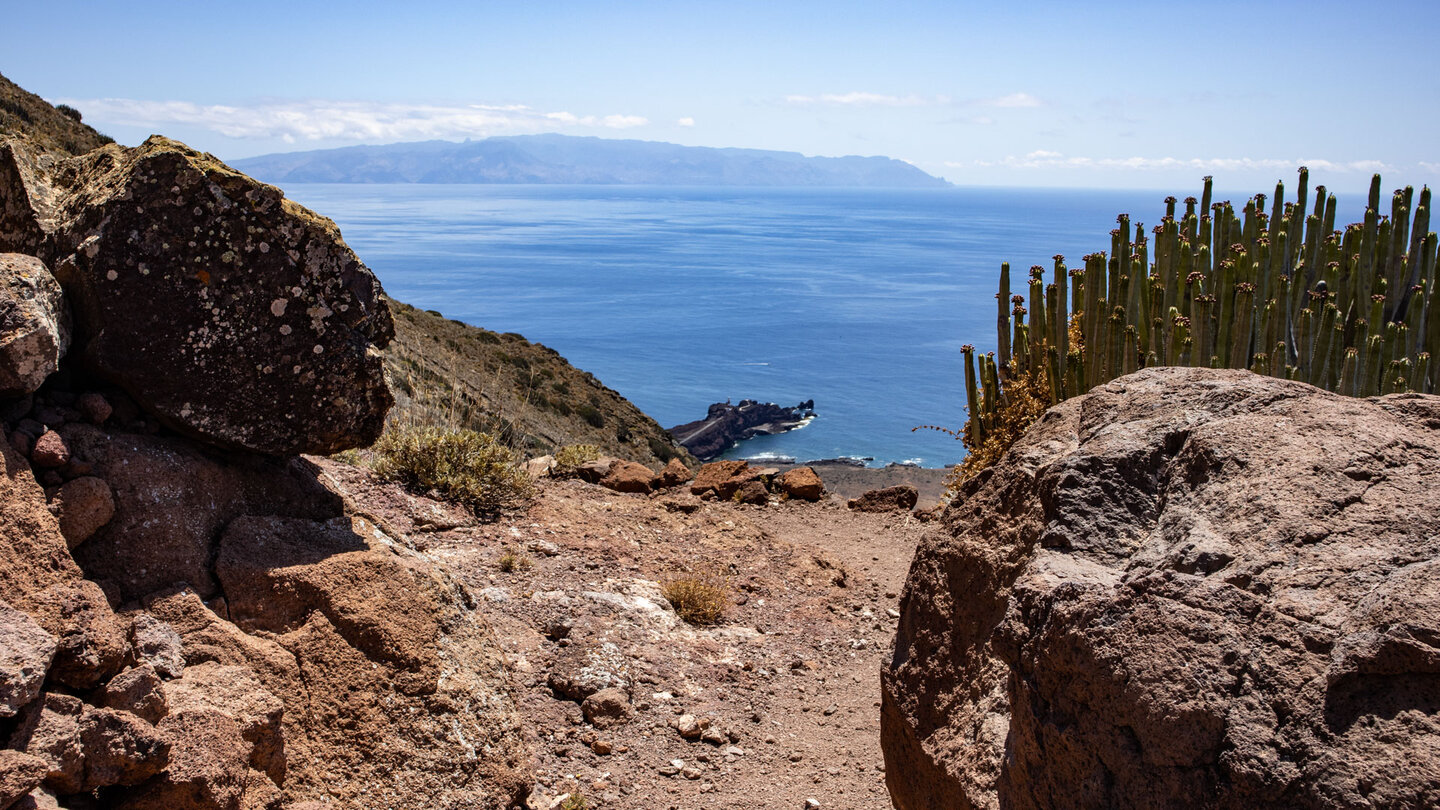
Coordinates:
788	682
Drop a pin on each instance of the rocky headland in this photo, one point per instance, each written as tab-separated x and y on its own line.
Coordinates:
724	425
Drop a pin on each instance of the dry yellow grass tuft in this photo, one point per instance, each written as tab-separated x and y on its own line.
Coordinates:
699	597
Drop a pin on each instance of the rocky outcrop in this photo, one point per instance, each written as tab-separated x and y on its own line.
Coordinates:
1188	588
899	498
725	424
34	324
234	315
801	483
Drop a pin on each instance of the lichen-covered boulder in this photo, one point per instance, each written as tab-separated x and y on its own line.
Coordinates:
234	315
27	196
1187	588
34	324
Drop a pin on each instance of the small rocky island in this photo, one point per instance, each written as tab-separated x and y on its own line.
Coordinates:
725	424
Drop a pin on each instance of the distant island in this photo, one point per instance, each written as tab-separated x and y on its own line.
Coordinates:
567	159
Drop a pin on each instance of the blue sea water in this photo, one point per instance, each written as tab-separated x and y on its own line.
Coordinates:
680	297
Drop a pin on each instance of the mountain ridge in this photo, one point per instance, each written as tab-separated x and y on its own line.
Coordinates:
567	159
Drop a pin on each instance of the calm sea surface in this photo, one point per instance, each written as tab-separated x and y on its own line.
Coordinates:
680	297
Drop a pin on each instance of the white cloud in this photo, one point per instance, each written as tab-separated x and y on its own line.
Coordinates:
1044	159
859	99
1012	100
345	120
687	121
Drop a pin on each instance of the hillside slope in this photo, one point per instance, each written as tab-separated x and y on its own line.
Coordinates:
24	114
444	372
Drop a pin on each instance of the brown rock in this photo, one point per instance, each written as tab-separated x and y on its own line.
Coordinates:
392	653
208	767
27	196
50	450
593	471
38	576
19	774
628	476
83	505
50	730
25	654
91	640
674	474
137	690
22	443
236	692
34	324
94	407
156	644
119	748
607	708
1188	588
801	483
587	667
752	492
154	542
258	336
898	498
715	474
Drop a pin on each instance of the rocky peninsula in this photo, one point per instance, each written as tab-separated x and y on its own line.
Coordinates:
724	425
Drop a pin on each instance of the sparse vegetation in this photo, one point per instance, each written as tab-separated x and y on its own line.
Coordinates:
570	458
699	597
69	112
464	466
514	560
575	801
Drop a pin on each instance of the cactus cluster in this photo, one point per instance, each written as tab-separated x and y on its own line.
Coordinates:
1278	291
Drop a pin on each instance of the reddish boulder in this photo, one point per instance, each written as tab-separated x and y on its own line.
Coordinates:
94	407
628	476
137	690
258	336
50	450
751	492
898	498
83	505
20	773
155	644
607	708
1187	588
801	483
714	475
674	474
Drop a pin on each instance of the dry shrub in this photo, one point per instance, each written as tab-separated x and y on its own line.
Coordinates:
514	560
1025	399
463	466
699	597
572	457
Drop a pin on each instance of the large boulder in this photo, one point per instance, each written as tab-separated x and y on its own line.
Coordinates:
234	315
34	324
1188	588
27	196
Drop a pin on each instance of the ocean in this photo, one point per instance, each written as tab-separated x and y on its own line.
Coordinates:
680	297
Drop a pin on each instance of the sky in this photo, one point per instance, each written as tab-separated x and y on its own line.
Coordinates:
1062	94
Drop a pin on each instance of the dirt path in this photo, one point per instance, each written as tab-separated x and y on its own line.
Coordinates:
784	693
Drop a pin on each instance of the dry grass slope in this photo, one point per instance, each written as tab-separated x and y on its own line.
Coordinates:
448	374
26	115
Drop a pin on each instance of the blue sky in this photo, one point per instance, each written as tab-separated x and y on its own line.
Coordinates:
1127	95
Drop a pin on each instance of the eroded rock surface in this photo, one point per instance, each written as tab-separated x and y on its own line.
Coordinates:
1189	588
